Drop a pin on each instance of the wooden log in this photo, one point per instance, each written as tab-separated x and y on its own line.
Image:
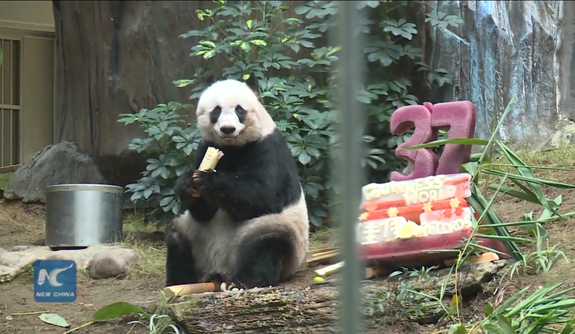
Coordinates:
311	309
271	310
321	257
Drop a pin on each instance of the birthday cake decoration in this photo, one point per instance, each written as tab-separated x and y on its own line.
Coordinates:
400	210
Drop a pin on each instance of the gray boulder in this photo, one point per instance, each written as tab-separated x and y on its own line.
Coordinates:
61	163
112	262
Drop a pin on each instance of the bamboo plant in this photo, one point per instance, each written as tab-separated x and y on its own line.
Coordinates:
546	310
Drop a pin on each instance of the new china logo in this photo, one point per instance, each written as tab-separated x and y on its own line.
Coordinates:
55	281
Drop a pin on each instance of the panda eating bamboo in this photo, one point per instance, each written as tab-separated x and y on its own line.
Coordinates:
246	221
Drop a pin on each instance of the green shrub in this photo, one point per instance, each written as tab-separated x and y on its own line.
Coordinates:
295	68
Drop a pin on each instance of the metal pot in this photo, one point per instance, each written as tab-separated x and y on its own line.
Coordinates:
80	215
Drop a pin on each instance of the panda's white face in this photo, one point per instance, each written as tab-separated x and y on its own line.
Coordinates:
228	121
230	113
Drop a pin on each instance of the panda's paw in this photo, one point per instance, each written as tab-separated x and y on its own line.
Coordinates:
186	189
200	180
230	287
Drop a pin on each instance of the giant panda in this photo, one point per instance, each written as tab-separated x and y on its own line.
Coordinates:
249	225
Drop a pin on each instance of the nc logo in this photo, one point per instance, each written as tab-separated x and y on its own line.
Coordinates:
55	281
53	277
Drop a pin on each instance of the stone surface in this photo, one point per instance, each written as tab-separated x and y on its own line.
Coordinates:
507	48
15	262
565	136
112	262
18	248
55	164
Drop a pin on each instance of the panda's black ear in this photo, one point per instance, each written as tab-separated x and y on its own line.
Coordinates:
252	82
209	80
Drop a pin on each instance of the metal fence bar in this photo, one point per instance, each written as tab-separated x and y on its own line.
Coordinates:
12	102
349	171
3	43
9	104
3	100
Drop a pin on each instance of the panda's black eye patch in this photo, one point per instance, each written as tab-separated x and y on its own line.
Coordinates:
241	112
215	114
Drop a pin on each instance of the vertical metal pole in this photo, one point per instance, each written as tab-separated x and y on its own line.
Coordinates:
349	175
12	102
3	102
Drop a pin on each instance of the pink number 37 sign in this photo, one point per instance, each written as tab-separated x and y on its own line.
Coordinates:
458	118
425	209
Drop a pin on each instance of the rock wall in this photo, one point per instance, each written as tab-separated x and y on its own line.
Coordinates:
507	48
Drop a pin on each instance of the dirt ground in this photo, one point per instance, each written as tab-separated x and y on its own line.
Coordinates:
23	225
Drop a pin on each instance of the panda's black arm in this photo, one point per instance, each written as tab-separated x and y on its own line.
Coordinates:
199	208
247	195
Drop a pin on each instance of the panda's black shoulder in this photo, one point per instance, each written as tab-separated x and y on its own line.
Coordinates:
271	161
274	146
267	152
274	153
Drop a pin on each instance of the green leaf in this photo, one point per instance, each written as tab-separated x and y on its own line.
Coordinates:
511	300
537	297
547	214
136	196
488	309
478	201
471	167
258	42
164	172
183	82
491	329
166	200
116	310
314	152
504	324
457	329
456	141
541	221
525	171
147	193
502	238
188	149
518	177
54	319
304	158
568	329
515	193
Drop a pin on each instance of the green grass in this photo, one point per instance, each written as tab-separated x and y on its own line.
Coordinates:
4	177
152	254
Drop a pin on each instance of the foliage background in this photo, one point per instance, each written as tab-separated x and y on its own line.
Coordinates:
287	49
